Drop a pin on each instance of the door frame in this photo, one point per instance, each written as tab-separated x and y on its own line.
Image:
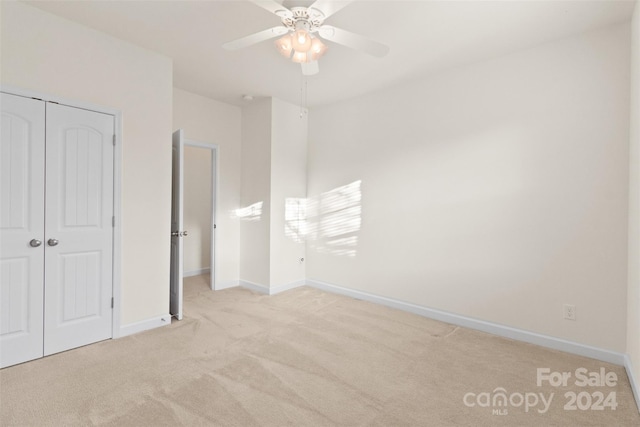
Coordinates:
215	183
117	186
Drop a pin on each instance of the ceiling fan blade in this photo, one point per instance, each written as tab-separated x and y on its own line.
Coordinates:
273	7
310	68
255	38
329	7
352	40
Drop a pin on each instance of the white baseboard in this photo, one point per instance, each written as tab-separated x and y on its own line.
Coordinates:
635	385
480	325
227	284
198	272
144	325
277	289
263	289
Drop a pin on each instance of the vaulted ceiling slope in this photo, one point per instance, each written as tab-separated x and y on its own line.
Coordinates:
425	37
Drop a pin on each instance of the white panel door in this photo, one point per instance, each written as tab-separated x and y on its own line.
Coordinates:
177	206
79	229
22	156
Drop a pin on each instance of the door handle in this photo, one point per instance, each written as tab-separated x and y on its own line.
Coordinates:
52	242
34	243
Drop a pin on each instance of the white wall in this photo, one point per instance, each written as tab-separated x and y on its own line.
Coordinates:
496	191
633	298
256	193
197	209
45	53
288	185
210	121
274	152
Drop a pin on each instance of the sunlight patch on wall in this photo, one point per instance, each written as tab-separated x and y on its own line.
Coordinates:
331	221
295	219
249	213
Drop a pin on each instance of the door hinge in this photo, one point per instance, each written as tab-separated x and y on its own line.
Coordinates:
114	139
113	221
111	302
214	226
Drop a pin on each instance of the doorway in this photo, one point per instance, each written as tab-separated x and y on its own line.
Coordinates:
199	210
194	190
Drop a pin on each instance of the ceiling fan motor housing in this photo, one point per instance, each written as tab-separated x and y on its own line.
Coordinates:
302	18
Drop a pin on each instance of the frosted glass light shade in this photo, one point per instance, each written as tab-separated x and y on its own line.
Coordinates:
317	49
301	41
299	57
285	45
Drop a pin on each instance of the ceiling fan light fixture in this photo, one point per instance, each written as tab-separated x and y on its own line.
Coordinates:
285	45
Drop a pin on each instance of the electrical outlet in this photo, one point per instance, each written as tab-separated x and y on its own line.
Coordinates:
569	311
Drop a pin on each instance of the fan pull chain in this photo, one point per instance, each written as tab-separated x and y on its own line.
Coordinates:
303	95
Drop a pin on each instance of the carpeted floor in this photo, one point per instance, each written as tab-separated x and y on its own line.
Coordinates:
308	358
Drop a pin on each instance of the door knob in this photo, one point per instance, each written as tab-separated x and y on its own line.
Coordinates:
52	242
34	243
184	233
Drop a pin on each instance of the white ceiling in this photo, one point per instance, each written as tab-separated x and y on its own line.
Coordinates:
424	36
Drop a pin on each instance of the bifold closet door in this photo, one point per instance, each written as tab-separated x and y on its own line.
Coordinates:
22	157
56	229
79	228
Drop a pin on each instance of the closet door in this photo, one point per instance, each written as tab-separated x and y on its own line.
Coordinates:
79	229
22	159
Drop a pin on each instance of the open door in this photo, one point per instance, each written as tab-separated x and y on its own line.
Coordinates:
214	183
177	205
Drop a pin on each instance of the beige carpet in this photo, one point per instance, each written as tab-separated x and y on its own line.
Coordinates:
303	358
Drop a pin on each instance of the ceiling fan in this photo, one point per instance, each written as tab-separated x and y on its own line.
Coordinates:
302	30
